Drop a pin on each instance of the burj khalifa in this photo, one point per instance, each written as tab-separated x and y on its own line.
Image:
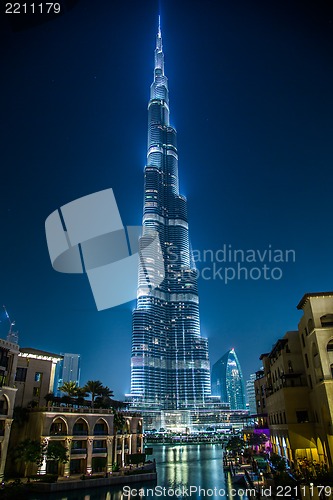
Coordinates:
169	365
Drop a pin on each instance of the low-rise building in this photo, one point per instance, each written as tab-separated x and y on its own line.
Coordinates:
8	361
287	403
93	438
35	376
295	389
316	338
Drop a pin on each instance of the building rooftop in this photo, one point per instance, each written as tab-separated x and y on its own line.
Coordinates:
278	346
38	352
307	296
9	346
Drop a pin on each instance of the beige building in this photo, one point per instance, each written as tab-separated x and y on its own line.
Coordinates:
35	376
298	383
8	362
316	337
93	441
89	435
288	407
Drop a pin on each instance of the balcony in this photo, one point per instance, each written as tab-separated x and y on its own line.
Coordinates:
325	379
78	451
70	409
58	433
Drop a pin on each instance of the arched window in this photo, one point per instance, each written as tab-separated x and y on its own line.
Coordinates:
80	428
3	405
316	364
329	346
310	325
329	349
58	427
326	321
127	428
101	428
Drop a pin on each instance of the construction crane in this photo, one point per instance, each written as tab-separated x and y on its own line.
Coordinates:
11	336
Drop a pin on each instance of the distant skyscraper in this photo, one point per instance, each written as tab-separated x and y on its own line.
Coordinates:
227	381
12	337
68	370
251	395
170	365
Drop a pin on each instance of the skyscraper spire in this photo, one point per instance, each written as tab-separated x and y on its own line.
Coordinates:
170	365
159	56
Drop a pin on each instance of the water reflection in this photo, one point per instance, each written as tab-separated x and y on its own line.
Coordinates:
179	467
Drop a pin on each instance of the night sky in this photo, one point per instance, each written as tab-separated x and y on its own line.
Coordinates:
251	98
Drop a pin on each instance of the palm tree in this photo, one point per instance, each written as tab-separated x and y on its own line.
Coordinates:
106	392
104	399
93	387
69	388
118	405
80	396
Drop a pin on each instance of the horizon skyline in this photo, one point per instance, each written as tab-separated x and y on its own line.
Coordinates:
255	160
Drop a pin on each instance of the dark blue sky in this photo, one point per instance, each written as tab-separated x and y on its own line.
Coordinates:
251	98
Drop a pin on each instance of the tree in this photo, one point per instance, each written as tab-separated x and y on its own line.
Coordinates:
67	400
257	439
104	399
278	462
30	451
81	394
95	388
106	392
20	416
118	421
69	388
57	452
49	398
235	444
118	405
102	402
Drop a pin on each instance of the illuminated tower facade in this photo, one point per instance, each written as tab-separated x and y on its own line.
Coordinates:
227	381
67	370
169	365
